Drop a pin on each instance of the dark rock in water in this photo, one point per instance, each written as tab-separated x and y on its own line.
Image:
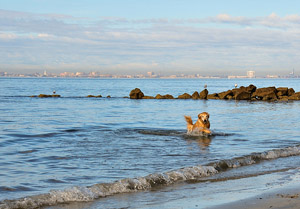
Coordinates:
167	96
268	93
148	97
203	94
136	94
158	96
249	89
283	98
48	95
295	96
242	95
185	96
98	96
291	91
271	96
195	95
225	94
108	96
213	96
282	91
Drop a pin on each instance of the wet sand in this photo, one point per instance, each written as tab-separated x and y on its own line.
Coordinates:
283	198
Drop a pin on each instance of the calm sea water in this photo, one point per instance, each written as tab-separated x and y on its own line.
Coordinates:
58	143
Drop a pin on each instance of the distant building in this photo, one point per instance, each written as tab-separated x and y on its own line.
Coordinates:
292	74
272	76
251	74
150	74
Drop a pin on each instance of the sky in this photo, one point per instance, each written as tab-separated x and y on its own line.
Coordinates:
216	37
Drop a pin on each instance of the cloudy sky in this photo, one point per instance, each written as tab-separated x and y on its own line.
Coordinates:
216	37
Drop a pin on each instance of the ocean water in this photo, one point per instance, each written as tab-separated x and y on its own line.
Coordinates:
75	148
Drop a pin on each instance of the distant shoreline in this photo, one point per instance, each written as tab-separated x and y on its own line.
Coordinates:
166	78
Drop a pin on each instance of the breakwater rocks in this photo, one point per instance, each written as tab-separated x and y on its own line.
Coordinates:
47	95
250	93
97	96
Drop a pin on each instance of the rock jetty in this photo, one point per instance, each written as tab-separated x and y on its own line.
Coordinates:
250	93
47	95
96	96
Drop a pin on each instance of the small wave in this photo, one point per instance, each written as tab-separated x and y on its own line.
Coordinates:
14	189
180	133
45	135
10	189
54	181
160	132
28	151
90	193
253	158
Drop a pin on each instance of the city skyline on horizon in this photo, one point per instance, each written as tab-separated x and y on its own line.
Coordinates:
149	74
168	37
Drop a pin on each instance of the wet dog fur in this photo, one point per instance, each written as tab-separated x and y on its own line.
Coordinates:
202	125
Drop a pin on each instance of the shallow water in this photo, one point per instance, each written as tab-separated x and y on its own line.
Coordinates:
58	143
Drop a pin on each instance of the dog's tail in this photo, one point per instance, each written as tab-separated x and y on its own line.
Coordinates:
188	120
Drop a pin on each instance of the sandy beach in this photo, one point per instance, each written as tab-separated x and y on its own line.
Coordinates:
284	198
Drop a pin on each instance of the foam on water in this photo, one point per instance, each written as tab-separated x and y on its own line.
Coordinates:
90	193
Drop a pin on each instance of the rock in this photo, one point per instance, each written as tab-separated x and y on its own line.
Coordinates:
242	95
99	96
225	94
283	98
48	95
269	93
229	97
271	96
108	96
291	91
213	96
185	96
203	94
167	96
136	94
158	96
250	89
295	96
282	91
195	95
148	97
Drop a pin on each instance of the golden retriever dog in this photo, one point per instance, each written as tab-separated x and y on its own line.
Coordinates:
201	126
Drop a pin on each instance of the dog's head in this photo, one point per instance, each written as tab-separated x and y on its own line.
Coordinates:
204	117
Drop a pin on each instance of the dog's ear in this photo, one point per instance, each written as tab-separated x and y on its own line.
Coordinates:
199	116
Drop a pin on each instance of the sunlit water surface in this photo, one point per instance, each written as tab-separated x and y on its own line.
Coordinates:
56	143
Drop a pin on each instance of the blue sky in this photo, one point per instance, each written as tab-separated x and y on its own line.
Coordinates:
136	36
